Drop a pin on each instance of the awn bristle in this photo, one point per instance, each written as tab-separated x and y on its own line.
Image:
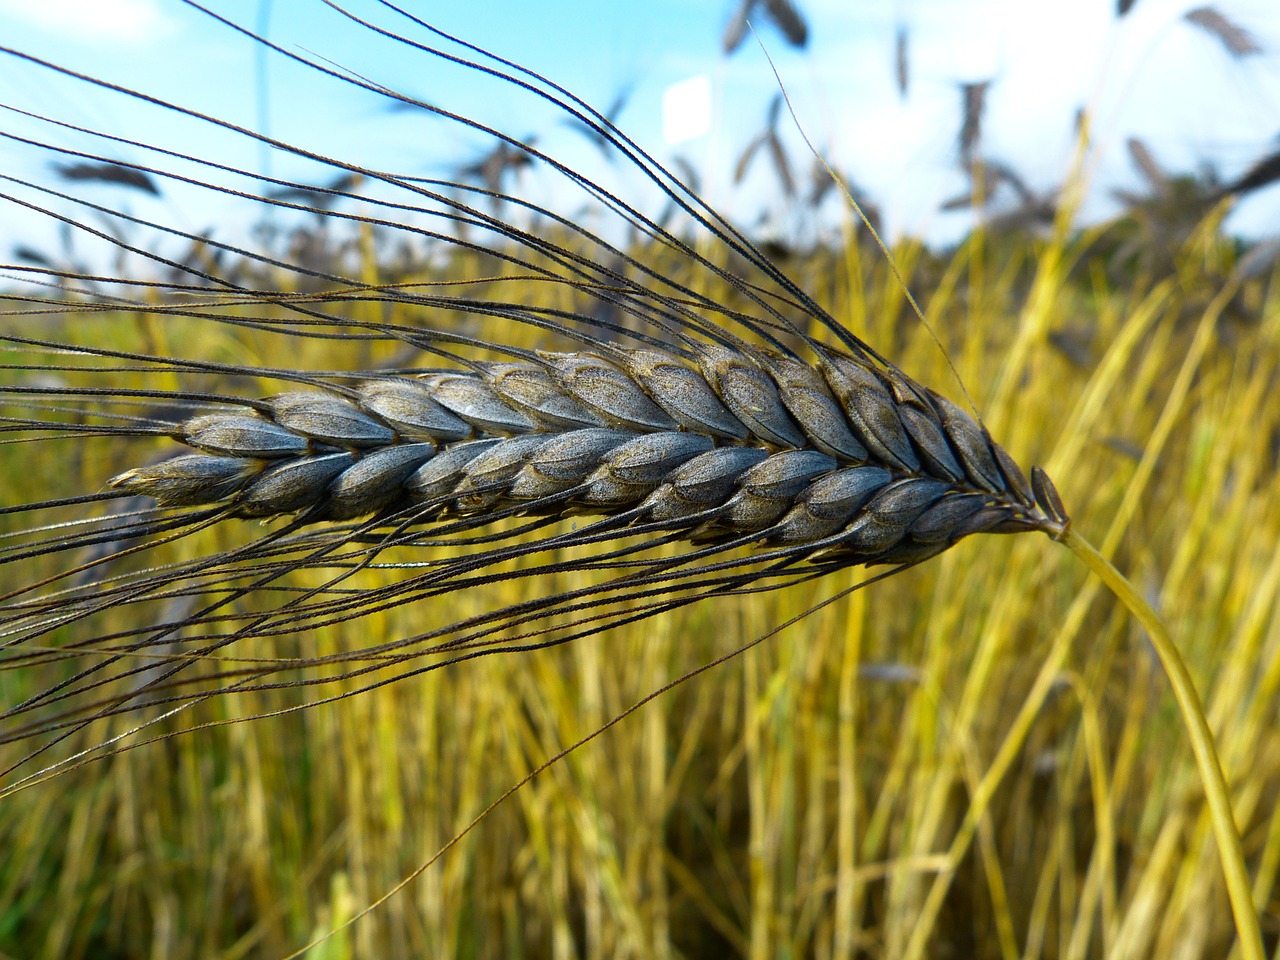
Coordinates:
724	447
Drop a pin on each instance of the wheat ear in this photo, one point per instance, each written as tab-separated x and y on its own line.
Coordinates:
857	463
722	426
763	425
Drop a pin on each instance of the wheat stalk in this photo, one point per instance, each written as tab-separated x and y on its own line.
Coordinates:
721	448
805	451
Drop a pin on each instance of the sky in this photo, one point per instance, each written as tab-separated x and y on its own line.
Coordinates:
1149	75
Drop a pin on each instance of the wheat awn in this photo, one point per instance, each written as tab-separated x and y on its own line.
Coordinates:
720	447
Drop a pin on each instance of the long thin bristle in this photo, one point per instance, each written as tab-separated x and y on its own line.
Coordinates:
319	532
772	372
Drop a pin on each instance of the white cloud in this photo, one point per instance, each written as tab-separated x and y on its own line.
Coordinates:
686	109
94	22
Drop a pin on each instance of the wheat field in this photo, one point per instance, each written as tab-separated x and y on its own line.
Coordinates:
227	735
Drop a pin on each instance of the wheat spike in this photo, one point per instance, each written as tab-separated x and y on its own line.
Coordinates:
1147	165
974	105
711	448
784	14
537	425
107	173
1262	174
901	60
1238	41
590	436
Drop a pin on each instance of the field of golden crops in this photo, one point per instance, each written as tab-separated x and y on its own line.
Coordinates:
298	734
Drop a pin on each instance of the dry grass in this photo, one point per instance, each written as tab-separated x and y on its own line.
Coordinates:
988	726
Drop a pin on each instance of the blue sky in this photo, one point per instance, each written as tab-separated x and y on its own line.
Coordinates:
1150	75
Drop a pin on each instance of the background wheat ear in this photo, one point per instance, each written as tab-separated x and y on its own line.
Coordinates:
321	481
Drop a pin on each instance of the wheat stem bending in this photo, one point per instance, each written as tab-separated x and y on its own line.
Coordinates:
1226	831
1217	794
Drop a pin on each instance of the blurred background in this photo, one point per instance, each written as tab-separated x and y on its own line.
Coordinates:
907	99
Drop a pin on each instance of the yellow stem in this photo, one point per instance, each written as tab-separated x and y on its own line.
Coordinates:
1230	849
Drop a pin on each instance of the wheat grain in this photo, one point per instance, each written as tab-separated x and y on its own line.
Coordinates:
589	436
773	454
